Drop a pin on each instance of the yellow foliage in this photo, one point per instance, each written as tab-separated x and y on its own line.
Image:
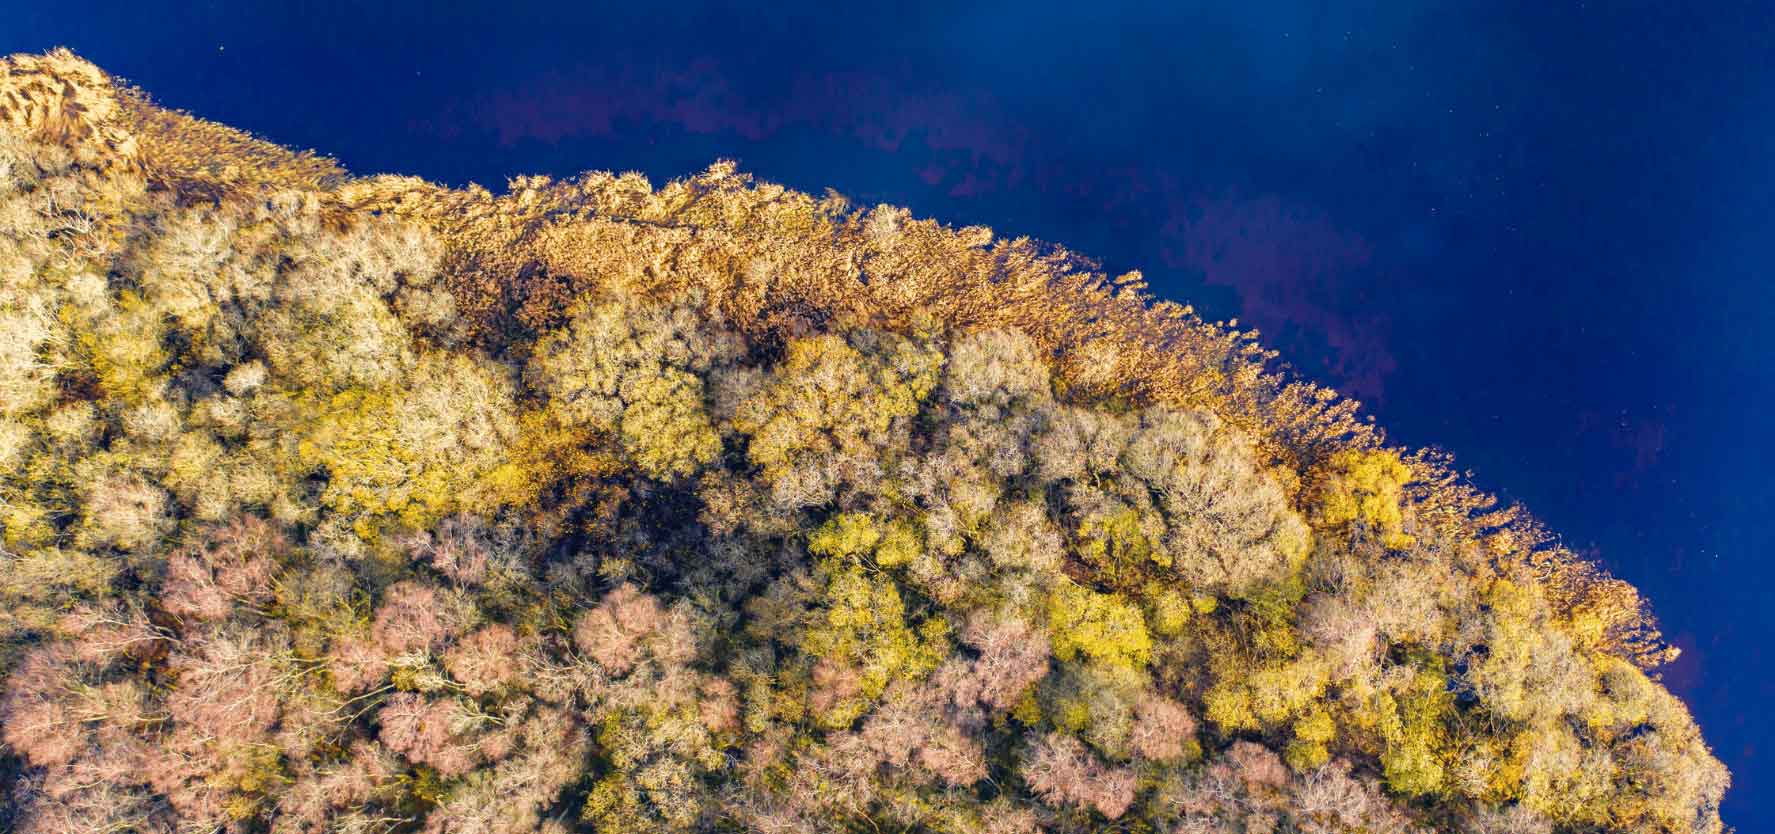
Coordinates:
1116	547
26	524
1100	627
1366	487
854	535
417	454
1169	611
829	400
1247	694
636	371
665	427
900	544
1028	709
122	349
1280	692
1413	726
1312	732
846	534
1229	706
864	625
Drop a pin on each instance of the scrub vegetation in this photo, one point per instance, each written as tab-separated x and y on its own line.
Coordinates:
335	504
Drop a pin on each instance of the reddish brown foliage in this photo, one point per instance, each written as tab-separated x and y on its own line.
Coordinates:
611	633
484	660
1061	771
413	616
428	732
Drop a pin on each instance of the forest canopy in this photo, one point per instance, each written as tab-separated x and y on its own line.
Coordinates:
364	504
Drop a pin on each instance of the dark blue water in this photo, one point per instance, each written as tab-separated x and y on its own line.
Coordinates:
1537	235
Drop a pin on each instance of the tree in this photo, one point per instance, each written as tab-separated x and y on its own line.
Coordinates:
1061	771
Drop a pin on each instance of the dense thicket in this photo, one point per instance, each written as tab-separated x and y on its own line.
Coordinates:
366	505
